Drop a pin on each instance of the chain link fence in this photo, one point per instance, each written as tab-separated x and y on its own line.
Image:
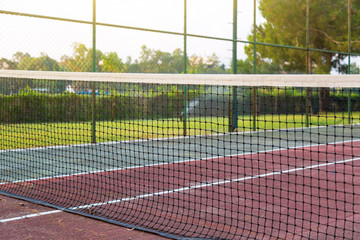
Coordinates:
184	36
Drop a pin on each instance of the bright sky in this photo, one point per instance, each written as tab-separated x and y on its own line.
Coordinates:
205	17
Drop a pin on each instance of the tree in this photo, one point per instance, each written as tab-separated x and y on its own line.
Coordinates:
157	61
205	65
286	25
7	64
42	63
110	62
354	69
263	67
82	59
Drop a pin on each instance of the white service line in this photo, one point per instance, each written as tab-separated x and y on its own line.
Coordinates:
29	216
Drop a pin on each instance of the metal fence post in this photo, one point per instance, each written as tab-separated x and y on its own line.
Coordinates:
308	62
185	71
349	59
233	111
254	88
93	95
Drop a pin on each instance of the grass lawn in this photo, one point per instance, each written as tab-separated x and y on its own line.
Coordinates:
13	136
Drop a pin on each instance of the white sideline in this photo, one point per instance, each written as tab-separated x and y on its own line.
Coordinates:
176	162
29	216
169	138
199	185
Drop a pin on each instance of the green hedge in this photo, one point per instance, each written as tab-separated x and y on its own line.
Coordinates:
34	107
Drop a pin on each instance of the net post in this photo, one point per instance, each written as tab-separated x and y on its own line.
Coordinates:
112	102
185	114
349	60
185	71
233	110
230	113
254	108
93	94
307	107
349	105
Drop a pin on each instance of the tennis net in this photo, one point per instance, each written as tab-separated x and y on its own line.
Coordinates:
187	156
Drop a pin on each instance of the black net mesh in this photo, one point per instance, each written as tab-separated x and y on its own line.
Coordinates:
190	161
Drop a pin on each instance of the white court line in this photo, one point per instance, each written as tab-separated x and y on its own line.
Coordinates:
168	138
177	162
29	216
202	185
177	190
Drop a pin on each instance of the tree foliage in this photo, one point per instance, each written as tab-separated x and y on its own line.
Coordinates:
110	62
207	65
23	61
158	61
286	25
81	61
149	61
7	64
264	67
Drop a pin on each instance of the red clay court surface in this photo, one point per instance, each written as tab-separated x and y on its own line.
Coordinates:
297	193
59	225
